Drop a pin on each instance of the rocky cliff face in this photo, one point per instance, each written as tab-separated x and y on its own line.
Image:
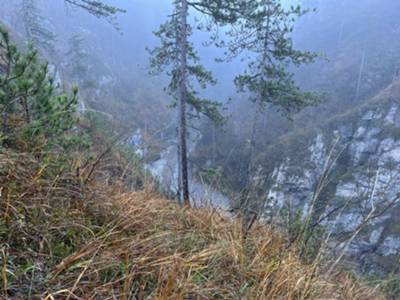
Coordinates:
347	174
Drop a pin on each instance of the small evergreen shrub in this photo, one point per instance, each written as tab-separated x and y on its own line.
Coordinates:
32	111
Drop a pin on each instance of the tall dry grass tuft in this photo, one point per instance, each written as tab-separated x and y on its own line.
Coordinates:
64	239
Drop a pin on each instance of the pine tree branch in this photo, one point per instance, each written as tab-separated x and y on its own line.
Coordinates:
98	9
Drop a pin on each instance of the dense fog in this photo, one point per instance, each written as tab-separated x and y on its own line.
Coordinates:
333	156
342	32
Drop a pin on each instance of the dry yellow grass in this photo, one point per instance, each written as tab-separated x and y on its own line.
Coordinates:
157	250
64	240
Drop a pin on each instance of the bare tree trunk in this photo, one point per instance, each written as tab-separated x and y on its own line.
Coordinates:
252	145
249	214
182	127
179	190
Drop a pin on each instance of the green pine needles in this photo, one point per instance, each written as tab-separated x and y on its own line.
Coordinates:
30	106
98	9
262	30
167	59
265	32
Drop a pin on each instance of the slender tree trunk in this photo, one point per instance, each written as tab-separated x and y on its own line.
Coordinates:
258	109
248	192
182	138
253	142
179	190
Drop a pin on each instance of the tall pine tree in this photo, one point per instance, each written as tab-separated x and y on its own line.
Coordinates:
264	31
178	58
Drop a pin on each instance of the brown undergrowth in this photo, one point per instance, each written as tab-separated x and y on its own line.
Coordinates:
63	237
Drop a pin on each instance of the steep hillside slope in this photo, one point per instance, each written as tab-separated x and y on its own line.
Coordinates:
346	173
71	226
64	239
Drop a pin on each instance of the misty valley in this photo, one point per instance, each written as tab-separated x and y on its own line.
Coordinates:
234	149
